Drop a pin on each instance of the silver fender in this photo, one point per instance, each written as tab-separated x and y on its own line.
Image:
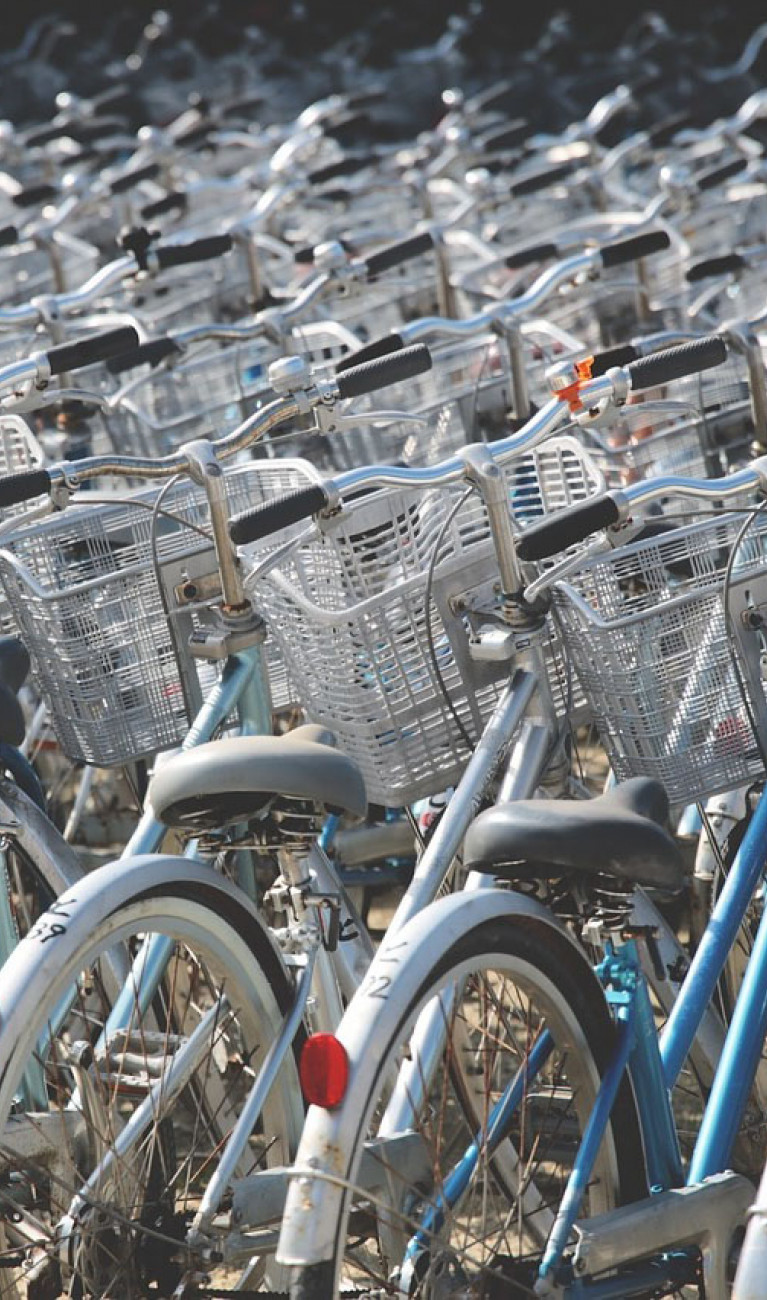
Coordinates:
34	966
329	1153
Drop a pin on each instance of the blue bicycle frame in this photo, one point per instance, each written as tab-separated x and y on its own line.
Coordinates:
655	1066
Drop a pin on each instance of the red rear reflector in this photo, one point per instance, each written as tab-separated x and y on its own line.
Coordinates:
323	1070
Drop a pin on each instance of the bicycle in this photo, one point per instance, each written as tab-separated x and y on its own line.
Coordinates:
228	1217
509	1195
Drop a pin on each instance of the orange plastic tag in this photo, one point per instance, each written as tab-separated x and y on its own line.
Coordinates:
572	394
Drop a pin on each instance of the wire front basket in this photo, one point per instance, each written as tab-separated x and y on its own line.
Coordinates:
112	666
382	655
674	683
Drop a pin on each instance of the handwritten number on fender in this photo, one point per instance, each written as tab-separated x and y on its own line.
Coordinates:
46	929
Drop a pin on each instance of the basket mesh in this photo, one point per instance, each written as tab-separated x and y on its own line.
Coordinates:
114	672
349	607
646	633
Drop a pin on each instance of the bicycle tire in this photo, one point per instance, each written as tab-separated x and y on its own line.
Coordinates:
134	1219
561	989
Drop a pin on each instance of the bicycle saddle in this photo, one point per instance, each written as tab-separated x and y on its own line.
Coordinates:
14	666
232	780
620	833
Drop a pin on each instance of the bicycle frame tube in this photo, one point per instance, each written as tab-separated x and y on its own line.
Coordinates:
242	686
621	973
431	869
739	1060
708	962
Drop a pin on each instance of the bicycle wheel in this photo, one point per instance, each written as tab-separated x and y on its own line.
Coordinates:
94	1199
404	1227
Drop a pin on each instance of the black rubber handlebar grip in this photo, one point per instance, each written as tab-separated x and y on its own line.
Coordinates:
87	351
708	180
528	256
146	354
197	250
121	184
715	266
264	520
343	167
392	369
176	201
82	130
540	180
396	254
30	483
675	363
555	533
8	235
620	355
383	347
336	195
630	250
35	195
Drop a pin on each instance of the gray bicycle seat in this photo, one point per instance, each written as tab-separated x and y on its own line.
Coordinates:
620	833
232	780
14	666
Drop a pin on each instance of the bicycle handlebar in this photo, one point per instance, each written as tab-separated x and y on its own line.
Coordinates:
711	266
17	488
675	363
197	250
87	351
708	180
575	523
381	371
397	254
176	200
528	256
504	137
540	180
609	255
121	184
343	167
25	486
150	353
551	534
33	196
382	347
272	517
635	247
